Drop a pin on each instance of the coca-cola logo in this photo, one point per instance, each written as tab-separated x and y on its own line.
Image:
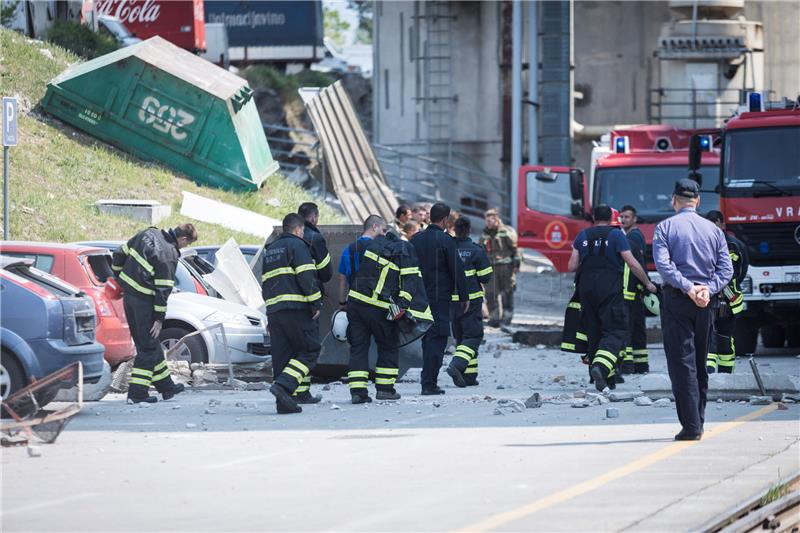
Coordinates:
130	11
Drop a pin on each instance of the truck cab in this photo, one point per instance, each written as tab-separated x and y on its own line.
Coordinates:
760	200
635	166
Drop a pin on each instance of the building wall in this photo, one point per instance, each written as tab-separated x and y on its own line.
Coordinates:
781	44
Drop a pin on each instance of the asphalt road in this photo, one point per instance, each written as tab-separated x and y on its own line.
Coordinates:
446	463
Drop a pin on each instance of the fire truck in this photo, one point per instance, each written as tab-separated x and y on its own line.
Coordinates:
636	166
760	199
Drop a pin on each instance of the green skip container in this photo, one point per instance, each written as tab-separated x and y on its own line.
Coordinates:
160	102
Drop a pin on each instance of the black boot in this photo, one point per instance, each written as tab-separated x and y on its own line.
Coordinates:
628	367
431	391
138	393
357	397
168	393
387	395
641	368
284	400
306	397
471	379
457	375
599	377
141	399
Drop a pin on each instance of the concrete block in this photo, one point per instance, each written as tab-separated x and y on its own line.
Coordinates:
624	396
538	335
643	401
147	211
662	402
655	383
760	400
612	412
534	402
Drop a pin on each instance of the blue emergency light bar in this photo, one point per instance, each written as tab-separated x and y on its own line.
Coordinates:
622	145
705	143
755	102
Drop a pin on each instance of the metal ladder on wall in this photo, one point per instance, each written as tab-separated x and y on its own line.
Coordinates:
438	97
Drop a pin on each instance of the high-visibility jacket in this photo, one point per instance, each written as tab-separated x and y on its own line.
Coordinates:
630	284
501	246
146	265
319	253
289	279
476	267
388	273
733	292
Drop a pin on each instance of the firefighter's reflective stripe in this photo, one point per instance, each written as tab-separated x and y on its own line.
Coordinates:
574	305
160	371
305	386
485	272
294	298
322	264
581	336
129	280
368	299
380	260
567	346
386	376
287	270
640	355
470	272
409	271
406	295
139	259
629	353
626	275
711	360
381	281
422	315
160	308
464	352
357	379
116	268
472	367
605	358
141	376
472	296
297	370
164	282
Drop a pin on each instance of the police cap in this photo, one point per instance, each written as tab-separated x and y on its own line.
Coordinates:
686	188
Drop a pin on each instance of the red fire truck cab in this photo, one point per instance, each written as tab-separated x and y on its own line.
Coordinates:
637	166
181	22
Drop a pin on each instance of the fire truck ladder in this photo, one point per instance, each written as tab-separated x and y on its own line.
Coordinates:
438	97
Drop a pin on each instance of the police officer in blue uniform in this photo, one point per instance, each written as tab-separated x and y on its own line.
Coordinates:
600	252
443	274
691	255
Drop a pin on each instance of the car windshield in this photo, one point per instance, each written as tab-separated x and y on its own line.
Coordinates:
649	189
777	163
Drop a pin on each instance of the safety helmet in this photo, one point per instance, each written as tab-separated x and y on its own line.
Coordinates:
339	325
651	303
615	218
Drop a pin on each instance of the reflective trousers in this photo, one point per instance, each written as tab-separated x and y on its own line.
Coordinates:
604	315
468	332
365	322
721	349
149	367
636	346
294	339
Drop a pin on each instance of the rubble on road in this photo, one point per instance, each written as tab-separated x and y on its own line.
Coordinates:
643	401
616	396
662	402
612	412
760	400
509	406
534	402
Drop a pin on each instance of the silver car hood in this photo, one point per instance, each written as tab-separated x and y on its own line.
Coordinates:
201	306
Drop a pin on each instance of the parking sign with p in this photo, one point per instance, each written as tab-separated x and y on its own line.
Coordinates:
9	121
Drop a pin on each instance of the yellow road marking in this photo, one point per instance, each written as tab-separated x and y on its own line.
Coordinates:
494	522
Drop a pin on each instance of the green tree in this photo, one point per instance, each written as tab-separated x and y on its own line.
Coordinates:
335	27
7	10
364	10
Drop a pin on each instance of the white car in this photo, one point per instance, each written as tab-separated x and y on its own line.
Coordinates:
187	312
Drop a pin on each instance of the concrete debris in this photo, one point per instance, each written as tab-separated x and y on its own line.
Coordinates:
513	406
335	407
719	400
246	405
497	354
258	385
210	412
580	403
190	425
237	384
782	407
143	405
790	398
437	404
174	407
643	401
327	386
501	387
612	412
34	451
596	399
579	394
534	402
559	378
655	382
615	396
760	400
213	402
662	402
540	346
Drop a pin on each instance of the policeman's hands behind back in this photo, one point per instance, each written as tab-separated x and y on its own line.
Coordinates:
155	331
700	295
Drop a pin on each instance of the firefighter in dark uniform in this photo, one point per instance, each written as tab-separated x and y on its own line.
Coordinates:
293	299
500	243
691	256
468	327
145	267
636	355
385	286
322	260
573	336
443	272
722	351
600	252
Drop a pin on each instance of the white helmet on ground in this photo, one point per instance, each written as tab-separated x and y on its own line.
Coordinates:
339	325
651	303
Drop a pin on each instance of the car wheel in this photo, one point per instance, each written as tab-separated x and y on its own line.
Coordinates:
793	336
192	351
773	336
12	377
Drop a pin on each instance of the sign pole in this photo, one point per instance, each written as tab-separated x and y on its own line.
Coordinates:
5	193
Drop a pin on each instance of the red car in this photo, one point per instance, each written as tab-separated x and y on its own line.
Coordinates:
88	268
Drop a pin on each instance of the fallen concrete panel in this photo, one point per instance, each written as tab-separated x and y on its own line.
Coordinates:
147	211
233	279
228	216
729	387
551	335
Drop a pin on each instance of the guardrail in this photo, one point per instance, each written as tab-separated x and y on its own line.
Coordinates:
692	107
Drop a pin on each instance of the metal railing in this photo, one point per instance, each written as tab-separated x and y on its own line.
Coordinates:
694	108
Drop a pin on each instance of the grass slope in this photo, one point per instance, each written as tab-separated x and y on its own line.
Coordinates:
57	173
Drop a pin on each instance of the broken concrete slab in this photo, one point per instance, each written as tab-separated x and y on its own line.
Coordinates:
760	400
148	211
616	396
534	402
535	335
724	386
643	401
662	402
